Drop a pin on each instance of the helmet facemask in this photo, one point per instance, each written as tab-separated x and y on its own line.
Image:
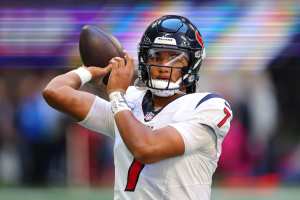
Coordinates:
164	70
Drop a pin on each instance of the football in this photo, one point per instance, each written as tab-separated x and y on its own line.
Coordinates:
98	47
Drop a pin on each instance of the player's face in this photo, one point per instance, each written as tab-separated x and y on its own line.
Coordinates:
167	64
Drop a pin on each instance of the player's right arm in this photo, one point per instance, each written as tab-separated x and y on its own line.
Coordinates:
63	94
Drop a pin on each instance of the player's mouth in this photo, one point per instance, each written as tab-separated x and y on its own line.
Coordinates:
163	77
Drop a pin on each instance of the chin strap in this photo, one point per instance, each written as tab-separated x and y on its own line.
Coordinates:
161	86
163	93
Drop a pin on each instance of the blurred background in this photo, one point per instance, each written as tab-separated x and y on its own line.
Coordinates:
253	59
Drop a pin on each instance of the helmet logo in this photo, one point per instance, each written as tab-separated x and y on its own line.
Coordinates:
147	40
165	40
198	54
199	39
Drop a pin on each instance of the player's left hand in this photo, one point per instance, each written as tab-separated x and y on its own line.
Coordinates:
121	74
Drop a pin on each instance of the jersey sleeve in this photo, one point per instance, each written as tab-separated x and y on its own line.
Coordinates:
205	126
196	137
215	113
100	118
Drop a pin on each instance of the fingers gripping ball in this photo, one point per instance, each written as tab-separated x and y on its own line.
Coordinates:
97	47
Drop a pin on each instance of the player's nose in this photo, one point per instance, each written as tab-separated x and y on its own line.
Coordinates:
164	69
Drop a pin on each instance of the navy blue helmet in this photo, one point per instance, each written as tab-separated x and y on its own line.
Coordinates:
172	33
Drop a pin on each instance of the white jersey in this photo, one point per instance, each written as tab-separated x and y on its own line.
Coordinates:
202	119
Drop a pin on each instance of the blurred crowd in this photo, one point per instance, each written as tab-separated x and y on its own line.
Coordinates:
263	145
33	146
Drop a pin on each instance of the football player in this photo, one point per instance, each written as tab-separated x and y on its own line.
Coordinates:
167	138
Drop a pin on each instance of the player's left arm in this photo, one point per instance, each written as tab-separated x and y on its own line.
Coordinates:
148	145
145	144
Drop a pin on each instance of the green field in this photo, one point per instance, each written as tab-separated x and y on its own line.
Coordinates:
106	194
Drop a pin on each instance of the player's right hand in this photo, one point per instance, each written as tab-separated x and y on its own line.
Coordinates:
99	72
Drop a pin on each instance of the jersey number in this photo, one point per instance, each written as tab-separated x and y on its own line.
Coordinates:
227	115
133	174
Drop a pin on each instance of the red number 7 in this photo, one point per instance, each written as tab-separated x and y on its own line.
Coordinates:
227	115
133	175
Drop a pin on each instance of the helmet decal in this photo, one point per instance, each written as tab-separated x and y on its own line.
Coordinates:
165	40
199	39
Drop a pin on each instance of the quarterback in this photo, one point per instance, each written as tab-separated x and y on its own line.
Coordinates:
167	137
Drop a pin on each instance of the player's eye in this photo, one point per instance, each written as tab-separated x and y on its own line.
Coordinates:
182	61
